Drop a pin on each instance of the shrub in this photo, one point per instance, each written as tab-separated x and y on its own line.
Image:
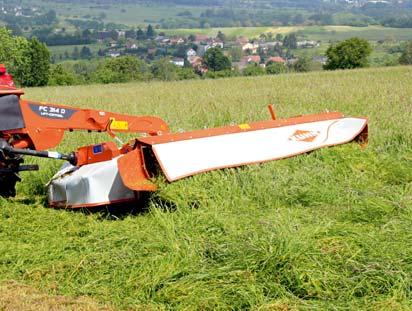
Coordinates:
303	64
122	69
275	68
406	57
253	70
60	76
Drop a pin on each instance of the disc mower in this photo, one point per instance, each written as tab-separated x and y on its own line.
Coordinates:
105	174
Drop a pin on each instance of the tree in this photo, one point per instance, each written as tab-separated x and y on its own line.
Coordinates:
86	34
221	36
215	60
322	18
406	57
298	19
279	37
150	33
12	54
85	53
35	70
290	41
15	29
180	51
163	69
236	53
348	54
50	17
61	76
75	53
303	64
130	34
140	35
191	38
284	19
114	34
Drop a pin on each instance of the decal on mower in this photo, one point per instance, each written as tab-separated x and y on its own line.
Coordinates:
97	149
307	136
244	126
119	125
51	112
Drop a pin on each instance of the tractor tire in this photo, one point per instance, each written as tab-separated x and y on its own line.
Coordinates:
8	184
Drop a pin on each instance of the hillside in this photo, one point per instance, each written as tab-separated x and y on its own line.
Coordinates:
326	230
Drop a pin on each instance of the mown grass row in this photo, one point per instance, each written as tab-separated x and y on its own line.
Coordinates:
326	230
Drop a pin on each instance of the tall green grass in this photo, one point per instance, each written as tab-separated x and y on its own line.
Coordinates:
327	230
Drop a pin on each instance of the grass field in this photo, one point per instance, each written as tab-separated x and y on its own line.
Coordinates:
58	50
329	230
234	31
121	13
325	33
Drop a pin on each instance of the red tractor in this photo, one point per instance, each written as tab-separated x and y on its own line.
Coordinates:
5	77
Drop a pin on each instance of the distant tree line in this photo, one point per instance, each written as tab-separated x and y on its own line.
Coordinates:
130	68
28	60
348	54
398	22
87	36
19	22
231	17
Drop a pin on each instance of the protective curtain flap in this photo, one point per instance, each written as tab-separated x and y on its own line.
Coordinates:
90	185
188	157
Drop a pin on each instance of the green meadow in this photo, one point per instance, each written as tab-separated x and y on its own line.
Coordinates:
131	14
321	33
328	230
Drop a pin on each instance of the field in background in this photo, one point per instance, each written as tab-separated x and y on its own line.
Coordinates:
127	14
141	14
234	31
60	49
322	33
325	230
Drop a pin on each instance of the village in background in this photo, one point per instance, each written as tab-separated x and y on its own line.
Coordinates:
108	42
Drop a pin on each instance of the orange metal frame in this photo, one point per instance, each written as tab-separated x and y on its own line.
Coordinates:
259	125
45	124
